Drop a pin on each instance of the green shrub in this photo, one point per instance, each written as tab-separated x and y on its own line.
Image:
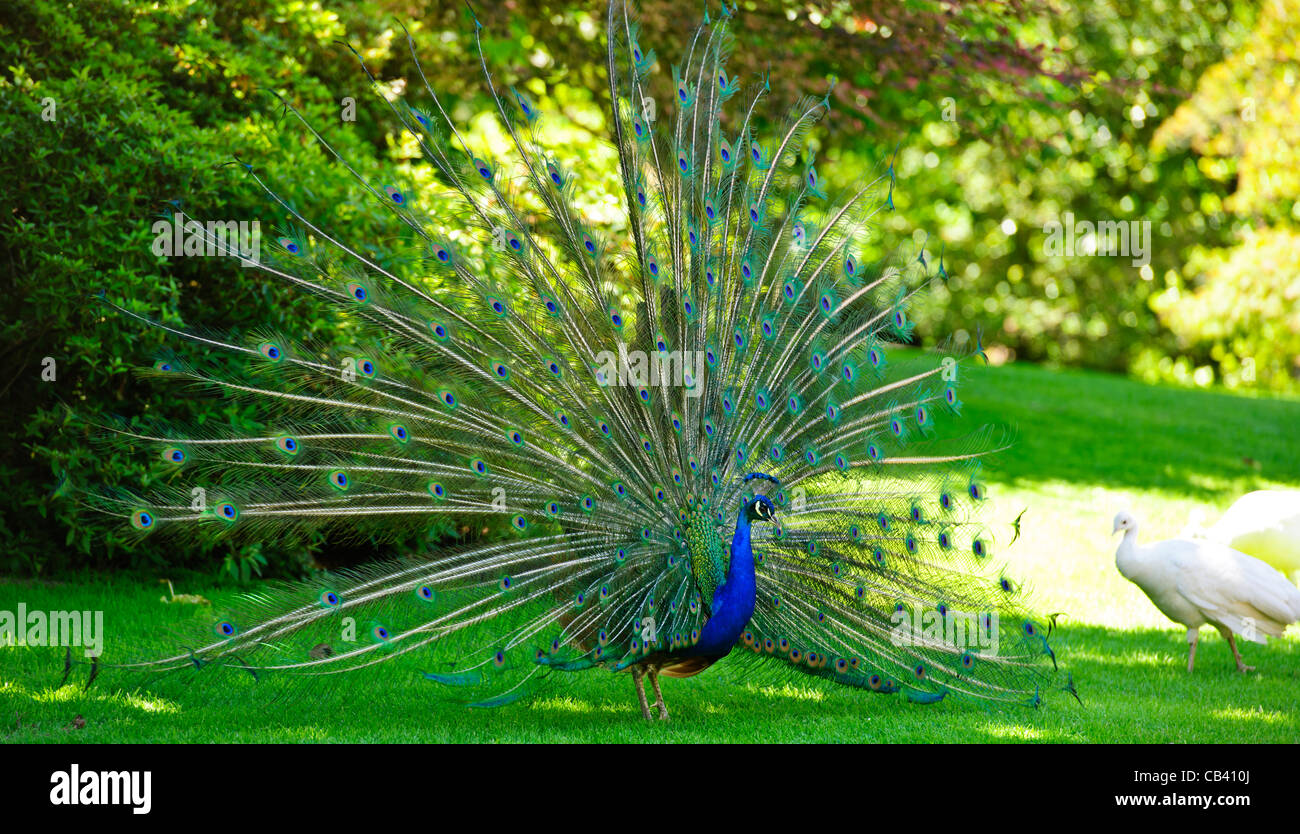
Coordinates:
110	111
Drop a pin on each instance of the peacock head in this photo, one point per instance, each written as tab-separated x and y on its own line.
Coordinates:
1124	520
761	508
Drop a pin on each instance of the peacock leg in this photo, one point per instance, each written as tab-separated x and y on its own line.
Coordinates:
638	677
659	696
1193	634
1236	655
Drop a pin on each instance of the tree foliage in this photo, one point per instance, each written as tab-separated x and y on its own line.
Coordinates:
1004	116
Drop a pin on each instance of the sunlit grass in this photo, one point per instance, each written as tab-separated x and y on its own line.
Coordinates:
1086	445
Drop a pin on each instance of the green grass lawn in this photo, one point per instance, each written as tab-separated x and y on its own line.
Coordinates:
1086	445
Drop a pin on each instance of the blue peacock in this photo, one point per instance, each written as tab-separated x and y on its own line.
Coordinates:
700	433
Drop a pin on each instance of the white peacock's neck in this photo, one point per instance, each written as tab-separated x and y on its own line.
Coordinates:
1127	557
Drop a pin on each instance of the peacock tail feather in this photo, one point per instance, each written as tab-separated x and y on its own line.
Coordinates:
606	397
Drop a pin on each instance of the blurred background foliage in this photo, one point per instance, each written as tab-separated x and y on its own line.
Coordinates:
1006	117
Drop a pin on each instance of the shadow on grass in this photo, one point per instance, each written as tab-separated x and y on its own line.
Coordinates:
1092	428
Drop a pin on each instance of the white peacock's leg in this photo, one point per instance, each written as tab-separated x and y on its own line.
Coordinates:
638	677
659	696
1192	635
1236	655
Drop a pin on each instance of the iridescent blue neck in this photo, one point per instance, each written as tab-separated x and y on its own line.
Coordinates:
733	601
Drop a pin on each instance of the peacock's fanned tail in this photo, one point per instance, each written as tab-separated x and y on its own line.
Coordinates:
605	394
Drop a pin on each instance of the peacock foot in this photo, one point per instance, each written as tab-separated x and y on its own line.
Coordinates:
659	696
639	674
1236	655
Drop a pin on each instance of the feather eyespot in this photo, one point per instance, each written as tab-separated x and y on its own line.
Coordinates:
362	365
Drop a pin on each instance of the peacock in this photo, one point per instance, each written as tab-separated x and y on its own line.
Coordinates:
698	430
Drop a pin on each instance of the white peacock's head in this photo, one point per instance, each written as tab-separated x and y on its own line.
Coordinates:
1124	520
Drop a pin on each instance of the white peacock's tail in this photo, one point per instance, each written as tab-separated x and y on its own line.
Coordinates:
605	389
